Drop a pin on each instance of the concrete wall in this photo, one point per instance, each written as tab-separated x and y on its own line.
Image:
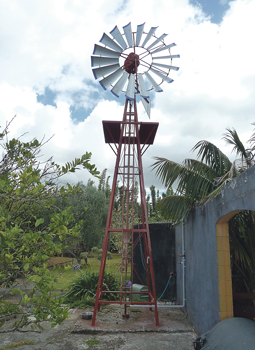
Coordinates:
204	301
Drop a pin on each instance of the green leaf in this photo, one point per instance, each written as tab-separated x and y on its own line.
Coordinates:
39	222
26	266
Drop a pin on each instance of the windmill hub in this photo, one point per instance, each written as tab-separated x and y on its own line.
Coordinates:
131	63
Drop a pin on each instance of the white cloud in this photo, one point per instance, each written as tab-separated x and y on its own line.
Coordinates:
49	44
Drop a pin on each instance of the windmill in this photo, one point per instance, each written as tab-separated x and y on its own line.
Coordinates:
130	63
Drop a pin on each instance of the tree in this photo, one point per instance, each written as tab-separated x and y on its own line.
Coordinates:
27	189
88	206
153	200
198	181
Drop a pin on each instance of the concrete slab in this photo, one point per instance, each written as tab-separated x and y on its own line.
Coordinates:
109	320
174	333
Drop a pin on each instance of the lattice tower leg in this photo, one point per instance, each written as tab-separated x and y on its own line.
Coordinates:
129	172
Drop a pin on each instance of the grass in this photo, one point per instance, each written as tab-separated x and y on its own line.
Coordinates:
92	342
16	345
63	276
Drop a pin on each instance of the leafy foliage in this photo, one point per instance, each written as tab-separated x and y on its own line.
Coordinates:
27	240
98	253
198	181
242	245
88	206
83	288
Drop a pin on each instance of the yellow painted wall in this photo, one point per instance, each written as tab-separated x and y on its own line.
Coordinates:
224	271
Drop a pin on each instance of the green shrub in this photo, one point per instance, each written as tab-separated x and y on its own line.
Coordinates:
98	253
82	289
84	256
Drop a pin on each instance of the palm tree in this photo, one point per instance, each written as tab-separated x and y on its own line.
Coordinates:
199	180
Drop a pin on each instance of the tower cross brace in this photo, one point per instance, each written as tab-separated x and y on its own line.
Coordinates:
129	139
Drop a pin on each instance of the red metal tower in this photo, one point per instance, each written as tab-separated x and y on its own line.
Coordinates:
130	139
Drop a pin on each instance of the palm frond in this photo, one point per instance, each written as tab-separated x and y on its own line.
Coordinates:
252	139
214	193
201	168
240	253
175	208
190	178
167	171
213	157
232	138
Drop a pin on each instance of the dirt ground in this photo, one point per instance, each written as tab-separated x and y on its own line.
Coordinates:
110	332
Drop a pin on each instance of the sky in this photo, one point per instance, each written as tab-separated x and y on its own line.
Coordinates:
47	82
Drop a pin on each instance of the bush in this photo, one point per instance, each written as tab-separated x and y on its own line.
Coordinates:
98	253
84	256
82	290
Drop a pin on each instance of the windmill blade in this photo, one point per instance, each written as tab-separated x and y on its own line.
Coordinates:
162	76
116	90
128	33
165	66
118	37
147	105
156	87
149	35
164	48
103	61
106	82
100	72
157	41
131	87
110	43
139	33
143	90
103	51
165	57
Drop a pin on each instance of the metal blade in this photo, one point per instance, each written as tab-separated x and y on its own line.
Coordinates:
164	48
128	33
165	57
162	76
131	87
157	41
110	43
165	66
147	105
106	82
103	51
116	90
143	90
157	88
118	37
139	33
100	72
149	35
103	61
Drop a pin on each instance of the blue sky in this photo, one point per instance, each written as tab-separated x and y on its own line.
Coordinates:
216	9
